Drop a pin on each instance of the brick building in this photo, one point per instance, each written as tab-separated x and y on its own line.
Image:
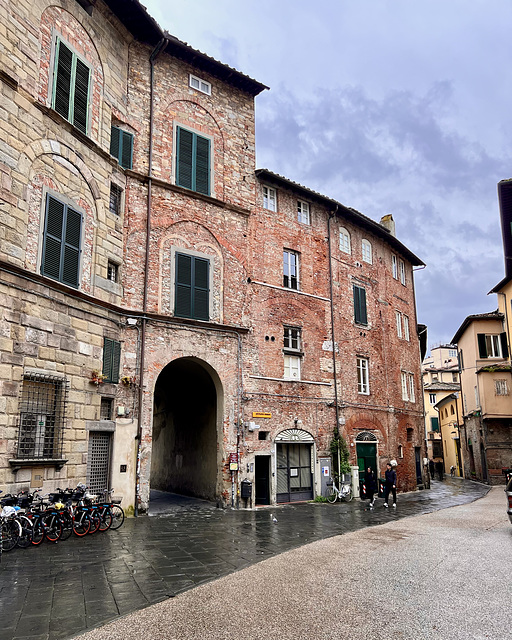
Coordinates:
169	313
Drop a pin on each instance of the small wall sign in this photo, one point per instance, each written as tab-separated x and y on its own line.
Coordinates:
260	414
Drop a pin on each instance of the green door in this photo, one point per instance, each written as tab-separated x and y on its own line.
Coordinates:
366	457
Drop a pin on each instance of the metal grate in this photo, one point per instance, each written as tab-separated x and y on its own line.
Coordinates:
98	461
42	416
106	408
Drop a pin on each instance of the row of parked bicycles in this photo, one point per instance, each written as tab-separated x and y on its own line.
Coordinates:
27	519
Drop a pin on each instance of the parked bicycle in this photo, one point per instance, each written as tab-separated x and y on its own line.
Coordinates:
343	493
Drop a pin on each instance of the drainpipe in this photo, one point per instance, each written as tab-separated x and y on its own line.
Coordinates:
157	50
337	428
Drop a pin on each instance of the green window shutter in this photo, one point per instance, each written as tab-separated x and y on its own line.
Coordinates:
192	161
111	360
52	241
434	424
62	81
183	296
482	348
201	282
71	248
360	315
126	156
504	345
81	96
115	141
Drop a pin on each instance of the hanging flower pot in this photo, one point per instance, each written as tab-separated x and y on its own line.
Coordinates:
97	378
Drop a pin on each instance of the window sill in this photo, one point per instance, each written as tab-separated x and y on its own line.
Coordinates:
22	463
324	384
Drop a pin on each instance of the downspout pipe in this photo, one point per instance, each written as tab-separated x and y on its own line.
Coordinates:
156	51
335	377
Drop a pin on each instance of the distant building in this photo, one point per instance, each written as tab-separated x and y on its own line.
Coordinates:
449	409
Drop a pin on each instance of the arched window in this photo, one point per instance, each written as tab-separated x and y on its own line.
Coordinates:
344	240
366	251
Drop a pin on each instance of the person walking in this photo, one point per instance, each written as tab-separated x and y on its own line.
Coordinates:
370	482
390	485
432	469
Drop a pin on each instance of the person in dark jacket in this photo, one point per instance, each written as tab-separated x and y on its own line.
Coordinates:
370	482
432	468
390	485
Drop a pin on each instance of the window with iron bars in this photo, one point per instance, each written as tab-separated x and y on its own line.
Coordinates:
42	417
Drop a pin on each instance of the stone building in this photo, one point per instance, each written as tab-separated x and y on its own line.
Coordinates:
171	318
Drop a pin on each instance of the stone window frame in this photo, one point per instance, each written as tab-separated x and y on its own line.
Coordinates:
363	375
174	249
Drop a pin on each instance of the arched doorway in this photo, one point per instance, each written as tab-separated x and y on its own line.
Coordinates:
366	450
184	456
294	462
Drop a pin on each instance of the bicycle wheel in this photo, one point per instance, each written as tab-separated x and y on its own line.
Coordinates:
333	495
25	538
117	516
37	530
67	525
52	527
348	495
95	521
106	519
81	523
10	534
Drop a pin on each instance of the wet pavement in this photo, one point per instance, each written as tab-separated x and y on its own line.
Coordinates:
57	591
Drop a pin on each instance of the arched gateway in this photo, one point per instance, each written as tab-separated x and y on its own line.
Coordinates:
186	409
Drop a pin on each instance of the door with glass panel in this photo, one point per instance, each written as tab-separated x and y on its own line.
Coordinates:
294	472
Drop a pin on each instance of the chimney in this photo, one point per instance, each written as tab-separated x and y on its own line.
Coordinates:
388	223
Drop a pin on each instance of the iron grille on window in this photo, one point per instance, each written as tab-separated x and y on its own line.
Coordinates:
42	416
116	194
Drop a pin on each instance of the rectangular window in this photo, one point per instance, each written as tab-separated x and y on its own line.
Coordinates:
398	323
192	287
106	408
363	383
405	321
290	269
269	198
111	360
402	272
360	315
408	392
112	272
61	242
432	398
71	86
492	345
452	353
292	367
412	393
403	378
501	387
115	200
434	424
121	146
303	212
394	264
344	241
292	339
42	416
192	161
200	85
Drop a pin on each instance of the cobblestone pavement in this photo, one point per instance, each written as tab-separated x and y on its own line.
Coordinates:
56	591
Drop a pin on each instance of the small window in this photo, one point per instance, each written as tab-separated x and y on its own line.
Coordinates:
452	410
394	264
193	161
366	251
403	378
292	339
398	323
454	377
112	272
360	314
432	398
106	408
263	435
62	240
303	214
292	367
269	198
192	287
501	387
111	360
492	345
402	272
405	321
434	424
412	393
121	146
115	201
400	451
452	353
410	434
408	391
344	241
290	269
363	384
200	85
71	86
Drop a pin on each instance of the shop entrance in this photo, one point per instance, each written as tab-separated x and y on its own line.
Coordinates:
294	466
185	441
262	479
366	450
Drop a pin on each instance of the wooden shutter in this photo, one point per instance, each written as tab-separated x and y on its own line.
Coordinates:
184	160
115	141
504	345
202	165
126	157
200	299
111	359
482	347
360	315
71	248
62	88
183	285
116	361
81	97
434	424
52	246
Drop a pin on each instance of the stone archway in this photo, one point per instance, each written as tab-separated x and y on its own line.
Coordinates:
184	457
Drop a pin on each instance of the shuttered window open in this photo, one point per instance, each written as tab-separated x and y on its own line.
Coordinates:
360	316
121	146
192	161
111	360
71	87
61	242
192	287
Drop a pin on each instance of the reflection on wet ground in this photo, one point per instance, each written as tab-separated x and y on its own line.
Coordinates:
56	591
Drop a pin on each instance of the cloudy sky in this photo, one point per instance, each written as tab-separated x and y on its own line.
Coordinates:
389	106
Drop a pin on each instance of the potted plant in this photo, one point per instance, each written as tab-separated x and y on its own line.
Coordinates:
97	378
